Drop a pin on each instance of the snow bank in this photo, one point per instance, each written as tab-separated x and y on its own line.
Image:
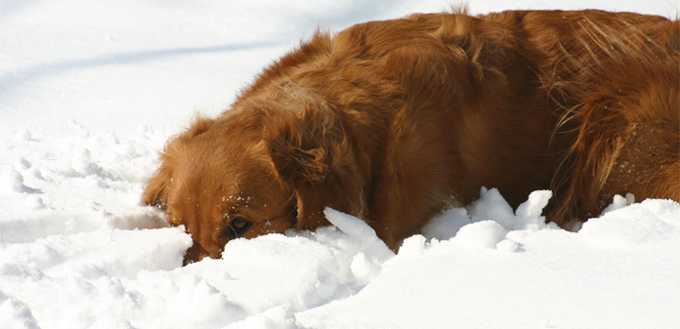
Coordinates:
507	272
90	92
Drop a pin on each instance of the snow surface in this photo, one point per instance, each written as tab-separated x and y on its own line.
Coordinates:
91	90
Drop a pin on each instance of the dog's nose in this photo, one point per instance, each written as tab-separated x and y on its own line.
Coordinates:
195	254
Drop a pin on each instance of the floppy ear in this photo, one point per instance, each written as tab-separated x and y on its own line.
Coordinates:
156	191
311	152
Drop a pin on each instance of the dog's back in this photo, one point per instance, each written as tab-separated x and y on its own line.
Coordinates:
585	103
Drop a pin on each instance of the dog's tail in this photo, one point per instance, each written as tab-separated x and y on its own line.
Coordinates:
621	112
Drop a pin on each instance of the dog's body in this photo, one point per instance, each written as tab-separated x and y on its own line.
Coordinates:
395	121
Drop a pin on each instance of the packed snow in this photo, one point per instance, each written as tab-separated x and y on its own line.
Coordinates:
91	90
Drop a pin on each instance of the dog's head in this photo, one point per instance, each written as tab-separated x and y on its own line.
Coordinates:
255	171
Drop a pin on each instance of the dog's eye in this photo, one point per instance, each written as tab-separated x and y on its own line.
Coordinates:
238	226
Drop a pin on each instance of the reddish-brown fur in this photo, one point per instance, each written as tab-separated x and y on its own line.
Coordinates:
395	121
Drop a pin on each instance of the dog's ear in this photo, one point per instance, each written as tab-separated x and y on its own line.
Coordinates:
311	152
157	188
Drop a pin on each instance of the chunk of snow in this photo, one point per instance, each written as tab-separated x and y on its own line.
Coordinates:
350	225
11	182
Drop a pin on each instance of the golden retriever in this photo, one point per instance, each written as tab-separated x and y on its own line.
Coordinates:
395	121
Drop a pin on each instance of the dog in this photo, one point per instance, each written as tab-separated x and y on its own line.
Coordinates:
396	121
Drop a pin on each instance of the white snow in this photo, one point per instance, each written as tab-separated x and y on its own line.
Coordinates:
91	90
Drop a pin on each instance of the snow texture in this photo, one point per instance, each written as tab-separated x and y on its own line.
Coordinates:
91	90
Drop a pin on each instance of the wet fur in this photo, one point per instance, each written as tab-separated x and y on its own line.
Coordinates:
395	121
